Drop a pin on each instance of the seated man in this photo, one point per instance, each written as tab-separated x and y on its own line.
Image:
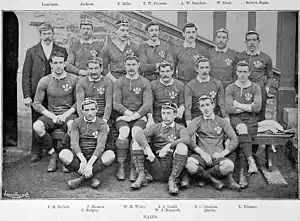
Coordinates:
166	89
59	89
203	84
100	89
88	138
243	103
208	161
132	99
166	150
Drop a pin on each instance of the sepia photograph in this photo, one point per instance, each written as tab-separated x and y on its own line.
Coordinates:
150	105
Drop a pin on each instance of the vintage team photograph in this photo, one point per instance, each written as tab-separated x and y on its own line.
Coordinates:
150	105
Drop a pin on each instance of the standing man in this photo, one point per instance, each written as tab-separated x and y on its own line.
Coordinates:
36	66
82	50
132	100
201	85
261	67
115	51
223	59
153	52
99	88
165	145
209	159
59	89
164	89
88	138
243	103
186	55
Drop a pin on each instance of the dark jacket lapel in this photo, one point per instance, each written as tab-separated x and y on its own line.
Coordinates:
40	52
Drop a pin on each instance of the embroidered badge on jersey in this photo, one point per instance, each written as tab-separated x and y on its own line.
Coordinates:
130	52
213	94
67	87
228	62
257	64
162	54
171	138
218	129
248	96
172	95
101	90
195	57
95	134
137	90
94	53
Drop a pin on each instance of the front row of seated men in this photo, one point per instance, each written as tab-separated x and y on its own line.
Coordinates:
163	150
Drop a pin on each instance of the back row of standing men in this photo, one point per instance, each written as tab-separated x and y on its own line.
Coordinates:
132	102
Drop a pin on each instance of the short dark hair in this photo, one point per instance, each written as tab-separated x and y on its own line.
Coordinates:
165	64
88	101
189	25
170	105
224	30
243	63
251	33
152	23
57	54
131	57
202	59
45	26
206	97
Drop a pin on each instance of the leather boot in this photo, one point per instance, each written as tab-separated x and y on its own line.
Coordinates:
185	182
64	169
252	165
74	183
34	158
121	170
173	189
95	183
217	184
243	181
138	159
122	149
52	163
232	183
202	183
132	174
149	177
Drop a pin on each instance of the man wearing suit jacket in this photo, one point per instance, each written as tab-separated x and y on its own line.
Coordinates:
35	67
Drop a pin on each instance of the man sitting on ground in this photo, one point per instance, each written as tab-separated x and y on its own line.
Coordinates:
88	138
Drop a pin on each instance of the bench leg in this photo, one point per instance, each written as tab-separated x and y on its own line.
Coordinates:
268	155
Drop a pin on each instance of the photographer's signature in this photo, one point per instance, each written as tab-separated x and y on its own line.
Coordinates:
16	195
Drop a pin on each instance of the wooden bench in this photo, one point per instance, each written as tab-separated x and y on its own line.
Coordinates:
271	139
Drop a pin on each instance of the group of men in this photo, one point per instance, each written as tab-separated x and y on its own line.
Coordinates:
178	113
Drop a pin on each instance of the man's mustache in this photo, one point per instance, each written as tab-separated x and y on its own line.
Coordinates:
154	35
131	70
125	36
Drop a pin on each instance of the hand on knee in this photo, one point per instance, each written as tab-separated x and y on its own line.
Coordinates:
226	167
39	128
192	165
123	133
242	129
66	156
181	149
108	157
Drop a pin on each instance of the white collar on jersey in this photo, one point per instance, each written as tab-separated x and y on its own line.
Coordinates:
240	85
256	52
90	121
90	41
212	117
153	43
224	50
98	79
203	81
59	77
189	45
172	125
170	83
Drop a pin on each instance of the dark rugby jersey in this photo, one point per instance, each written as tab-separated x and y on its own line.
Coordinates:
159	135
248	95
132	94
61	94
113	57
185	60
162	93
261	68
223	65
88	137
211	134
101	91
195	89
150	55
79	54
